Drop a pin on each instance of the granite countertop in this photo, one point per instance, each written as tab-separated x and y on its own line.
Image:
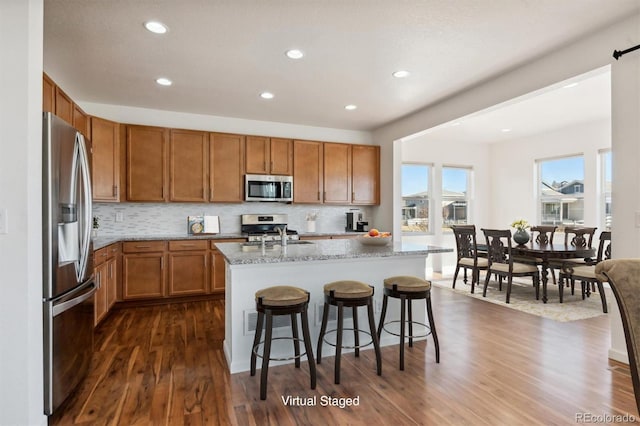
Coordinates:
104	241
100	242
246	254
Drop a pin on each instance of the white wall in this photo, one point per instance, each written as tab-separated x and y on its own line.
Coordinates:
21	384
513	177
181	120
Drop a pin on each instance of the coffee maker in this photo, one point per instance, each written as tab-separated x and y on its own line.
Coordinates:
356	222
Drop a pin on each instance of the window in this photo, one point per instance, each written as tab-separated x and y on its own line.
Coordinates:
605	189
455	200
561	191
416	196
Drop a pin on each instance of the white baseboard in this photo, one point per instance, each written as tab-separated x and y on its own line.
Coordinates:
620	356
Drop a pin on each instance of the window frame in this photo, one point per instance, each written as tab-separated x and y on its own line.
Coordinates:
430	178
551	200
467	198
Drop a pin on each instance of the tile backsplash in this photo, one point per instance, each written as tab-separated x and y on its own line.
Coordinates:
171	218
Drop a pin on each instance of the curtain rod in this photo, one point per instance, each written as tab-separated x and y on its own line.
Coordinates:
618	53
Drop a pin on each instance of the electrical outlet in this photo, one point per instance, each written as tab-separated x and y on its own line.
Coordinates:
377	306
4	221
119	217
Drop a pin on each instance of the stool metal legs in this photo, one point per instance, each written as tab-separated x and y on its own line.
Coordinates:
266	353
340	304
405	310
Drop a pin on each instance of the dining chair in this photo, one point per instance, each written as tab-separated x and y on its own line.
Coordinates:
586	273
501	262
576	236
623	276
467	249
541	234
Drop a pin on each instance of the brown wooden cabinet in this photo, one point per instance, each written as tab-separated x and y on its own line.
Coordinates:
188	166
337	173
106	262
81	121
217	272
48	94
106	159
365	174
188	267
265	155
143	272
226	163
64	106
146	159
307	172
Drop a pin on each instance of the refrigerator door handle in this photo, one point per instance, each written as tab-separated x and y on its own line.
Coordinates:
87	207
65	306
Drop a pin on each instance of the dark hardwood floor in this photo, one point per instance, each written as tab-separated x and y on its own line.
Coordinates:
165	365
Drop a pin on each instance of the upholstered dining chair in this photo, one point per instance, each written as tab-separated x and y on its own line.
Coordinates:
576	236
586	273
467	250
501	262
541	234
623	276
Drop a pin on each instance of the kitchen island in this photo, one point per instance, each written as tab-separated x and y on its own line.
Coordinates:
309	265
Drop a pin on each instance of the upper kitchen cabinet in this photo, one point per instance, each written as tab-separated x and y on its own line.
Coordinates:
64	106
106	160
268	156
188	166
307	172
365	174
81	121
226	167
146	159
48	94
337	173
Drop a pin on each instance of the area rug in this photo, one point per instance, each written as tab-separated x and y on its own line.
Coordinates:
523	298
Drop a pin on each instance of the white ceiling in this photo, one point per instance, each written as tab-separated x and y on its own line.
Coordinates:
222	54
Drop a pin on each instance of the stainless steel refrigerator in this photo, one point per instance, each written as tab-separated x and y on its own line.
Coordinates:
68	284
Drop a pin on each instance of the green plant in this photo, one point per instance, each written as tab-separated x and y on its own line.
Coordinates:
520	224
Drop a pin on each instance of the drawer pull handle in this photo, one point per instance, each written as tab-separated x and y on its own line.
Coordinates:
143	246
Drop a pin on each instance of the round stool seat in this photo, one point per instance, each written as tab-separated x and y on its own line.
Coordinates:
282	295
407	283
348	289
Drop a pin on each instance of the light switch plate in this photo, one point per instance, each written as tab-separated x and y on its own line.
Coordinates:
4	221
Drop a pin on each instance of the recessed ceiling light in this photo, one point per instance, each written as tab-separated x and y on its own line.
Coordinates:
455	123
156	27
401	74
350	107
570	85
164	81
266	95
294	54
506	130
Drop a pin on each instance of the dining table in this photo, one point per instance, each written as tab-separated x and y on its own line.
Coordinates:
544	254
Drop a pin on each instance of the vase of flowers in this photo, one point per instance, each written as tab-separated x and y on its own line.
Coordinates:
521	236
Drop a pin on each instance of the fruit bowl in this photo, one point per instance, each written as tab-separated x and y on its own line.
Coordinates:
382	239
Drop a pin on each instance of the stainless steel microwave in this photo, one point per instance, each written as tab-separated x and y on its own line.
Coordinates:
268	188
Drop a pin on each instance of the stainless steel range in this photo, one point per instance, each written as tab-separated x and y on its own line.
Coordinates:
266	226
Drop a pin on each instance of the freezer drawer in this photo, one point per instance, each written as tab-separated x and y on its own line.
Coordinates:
68	344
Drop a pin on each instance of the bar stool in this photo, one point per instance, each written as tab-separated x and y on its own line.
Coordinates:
350	294
281	300
408	288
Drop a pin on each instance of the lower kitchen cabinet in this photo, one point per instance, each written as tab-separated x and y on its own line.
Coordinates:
143	273
218	266
188	268
106	261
